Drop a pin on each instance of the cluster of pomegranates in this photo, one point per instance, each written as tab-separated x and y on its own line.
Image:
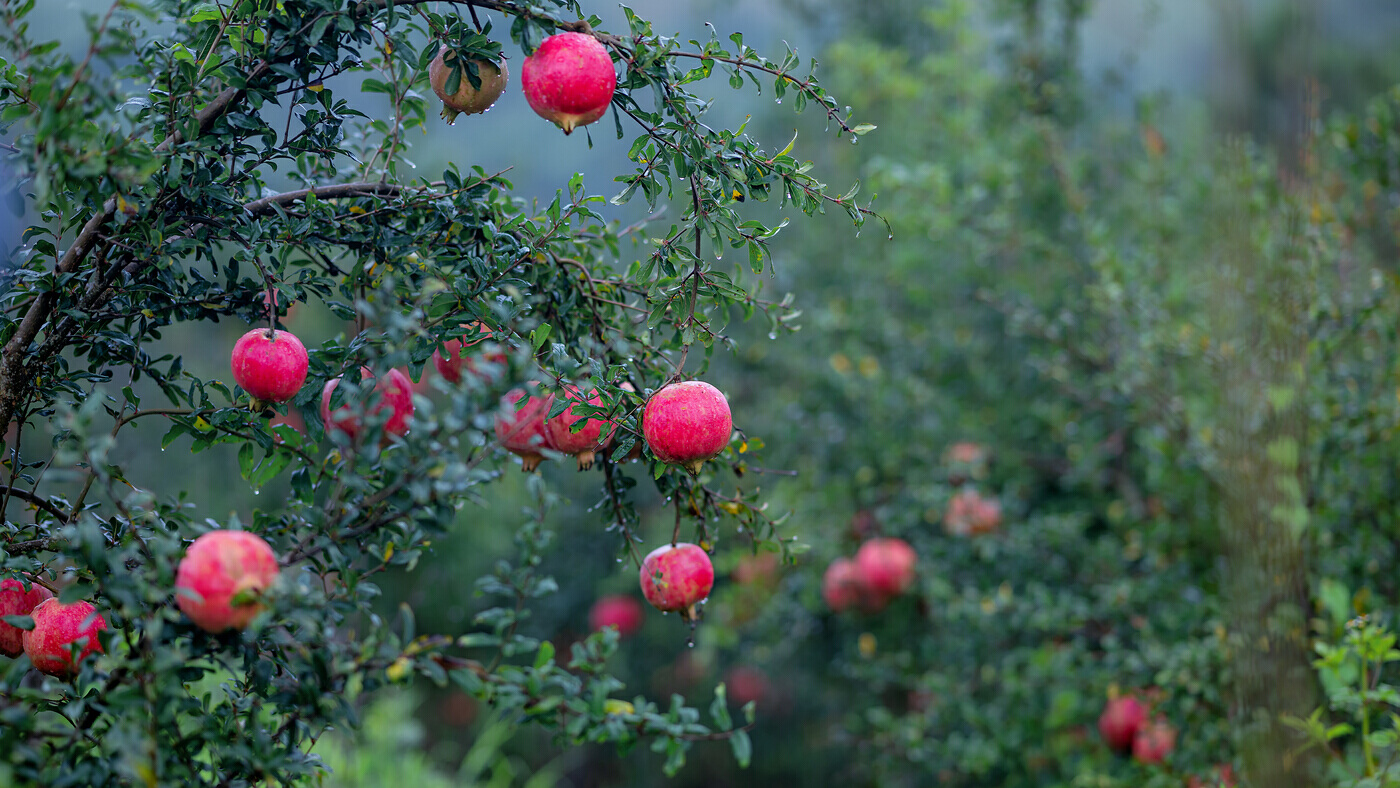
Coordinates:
568	81
882	569
969	513
218	585
1128	727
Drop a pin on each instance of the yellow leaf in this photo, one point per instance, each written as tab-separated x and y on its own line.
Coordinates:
399	670
615	706
867	645
388	551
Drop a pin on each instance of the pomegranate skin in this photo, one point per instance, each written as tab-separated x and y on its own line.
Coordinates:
886	566
395	392
15	601
585	443
467	100
456	361
621	612
676	579
269	365
687	423
1120	722
569	80
56	627
217	567
1154	742
969	514
842	587
521	431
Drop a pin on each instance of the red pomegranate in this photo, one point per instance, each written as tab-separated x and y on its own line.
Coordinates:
589	439
1121	720
842	587
969	514
569	80
220	577
624	613
886	566
677	578
1154	742
270	365
520	429
15	601
687	423
744	684
451	365
395	392
467	100
49	645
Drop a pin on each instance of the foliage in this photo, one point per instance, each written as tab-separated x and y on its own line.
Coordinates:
201	161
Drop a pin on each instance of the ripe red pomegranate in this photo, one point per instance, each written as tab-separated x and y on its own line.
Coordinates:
15	601
886	566
1224	777
1154	741
687	423
569	80
743	684
676	579
220	577
969	514
1120	722
621	612
761	570
521	430
395	392
450	366
56	628
842	587
467	99
269	365
588	440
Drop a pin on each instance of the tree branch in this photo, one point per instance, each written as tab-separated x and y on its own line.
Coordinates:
266	204
39	501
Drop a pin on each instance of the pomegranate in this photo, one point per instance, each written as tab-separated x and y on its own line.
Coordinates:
56	628
969	514
759	570
1154	741
569	80
521	429
270	365
745	684
395	392
677	578
886	566
450	366
1120	722
588	440
15	601
624	613
467	99
220	577
687	423
842	587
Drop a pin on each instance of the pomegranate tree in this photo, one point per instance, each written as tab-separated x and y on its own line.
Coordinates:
220	578
1121	720
677	578
57	628
15	601
395	392
466	99
569	80
687	423
520	428
584	442
270	365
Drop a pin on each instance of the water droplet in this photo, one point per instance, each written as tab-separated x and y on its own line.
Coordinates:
855	140
719	256
772	334
777	101
257	492
889	237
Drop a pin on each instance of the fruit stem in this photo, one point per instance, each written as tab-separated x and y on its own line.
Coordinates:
693	467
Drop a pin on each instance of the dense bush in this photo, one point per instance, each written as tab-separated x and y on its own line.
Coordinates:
200	162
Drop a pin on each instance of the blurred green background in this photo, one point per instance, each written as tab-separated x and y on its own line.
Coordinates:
1115	226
